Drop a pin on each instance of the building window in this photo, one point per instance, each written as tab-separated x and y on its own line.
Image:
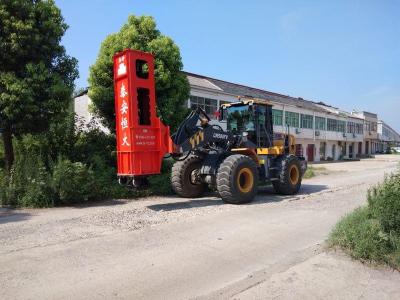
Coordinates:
336	125
374	126
210	106
277	117
367	126
359	129
351	127
320	123
292	119
332	125
341	126
306	121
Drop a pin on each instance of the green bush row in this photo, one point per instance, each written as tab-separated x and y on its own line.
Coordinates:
372	233
384	203
38	181
68	165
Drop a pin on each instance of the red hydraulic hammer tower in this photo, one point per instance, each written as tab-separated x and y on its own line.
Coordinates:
142	139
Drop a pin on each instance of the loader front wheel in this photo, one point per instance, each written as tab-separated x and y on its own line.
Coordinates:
185	179
237	179
289	177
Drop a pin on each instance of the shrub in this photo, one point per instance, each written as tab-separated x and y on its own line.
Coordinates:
362	236
384	202
3	187
373	232
161	184
72	182
38	192
309	172
29	181
61	137
395	256
94	144
68	165
105	181
315	171
2	158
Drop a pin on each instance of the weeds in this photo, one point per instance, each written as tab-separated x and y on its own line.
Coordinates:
372	233
314	171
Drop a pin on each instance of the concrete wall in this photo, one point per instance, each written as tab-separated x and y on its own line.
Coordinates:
82	110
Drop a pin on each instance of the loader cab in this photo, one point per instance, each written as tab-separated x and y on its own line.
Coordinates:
250	120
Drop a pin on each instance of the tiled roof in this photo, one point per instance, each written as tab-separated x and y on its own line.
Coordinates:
82	92
242	90
338	112
202	82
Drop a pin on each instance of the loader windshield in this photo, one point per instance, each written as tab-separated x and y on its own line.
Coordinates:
256	120
240	119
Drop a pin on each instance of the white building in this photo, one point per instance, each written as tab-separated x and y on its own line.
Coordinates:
387	137
370	143
82	107
322	132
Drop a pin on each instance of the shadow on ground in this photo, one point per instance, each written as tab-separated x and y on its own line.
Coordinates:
190	203
111	202
10	215
265	195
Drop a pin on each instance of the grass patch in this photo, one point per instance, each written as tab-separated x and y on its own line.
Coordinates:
371	233
314	171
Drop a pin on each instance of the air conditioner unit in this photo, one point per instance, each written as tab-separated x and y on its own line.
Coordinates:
317	133
298	131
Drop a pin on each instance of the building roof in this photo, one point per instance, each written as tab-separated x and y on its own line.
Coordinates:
205	82
365	114
242	90
338	112
202	82
81	92
390	128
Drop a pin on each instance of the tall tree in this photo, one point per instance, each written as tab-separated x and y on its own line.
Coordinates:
36	75
172	87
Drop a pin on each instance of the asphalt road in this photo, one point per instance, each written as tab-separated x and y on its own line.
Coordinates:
173	248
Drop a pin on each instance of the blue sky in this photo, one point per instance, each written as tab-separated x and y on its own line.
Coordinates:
345	53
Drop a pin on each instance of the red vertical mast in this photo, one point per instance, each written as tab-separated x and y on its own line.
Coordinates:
142	139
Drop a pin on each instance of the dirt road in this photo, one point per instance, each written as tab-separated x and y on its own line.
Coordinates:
173	248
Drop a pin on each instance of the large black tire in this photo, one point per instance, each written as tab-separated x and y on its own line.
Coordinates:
289	175
181	177
237	179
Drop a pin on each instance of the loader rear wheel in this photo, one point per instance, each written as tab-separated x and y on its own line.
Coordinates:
289	176
237	179
185	179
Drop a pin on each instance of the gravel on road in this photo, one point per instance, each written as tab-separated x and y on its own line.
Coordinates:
175	248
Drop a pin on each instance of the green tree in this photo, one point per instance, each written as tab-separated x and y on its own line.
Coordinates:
172	87
36	75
